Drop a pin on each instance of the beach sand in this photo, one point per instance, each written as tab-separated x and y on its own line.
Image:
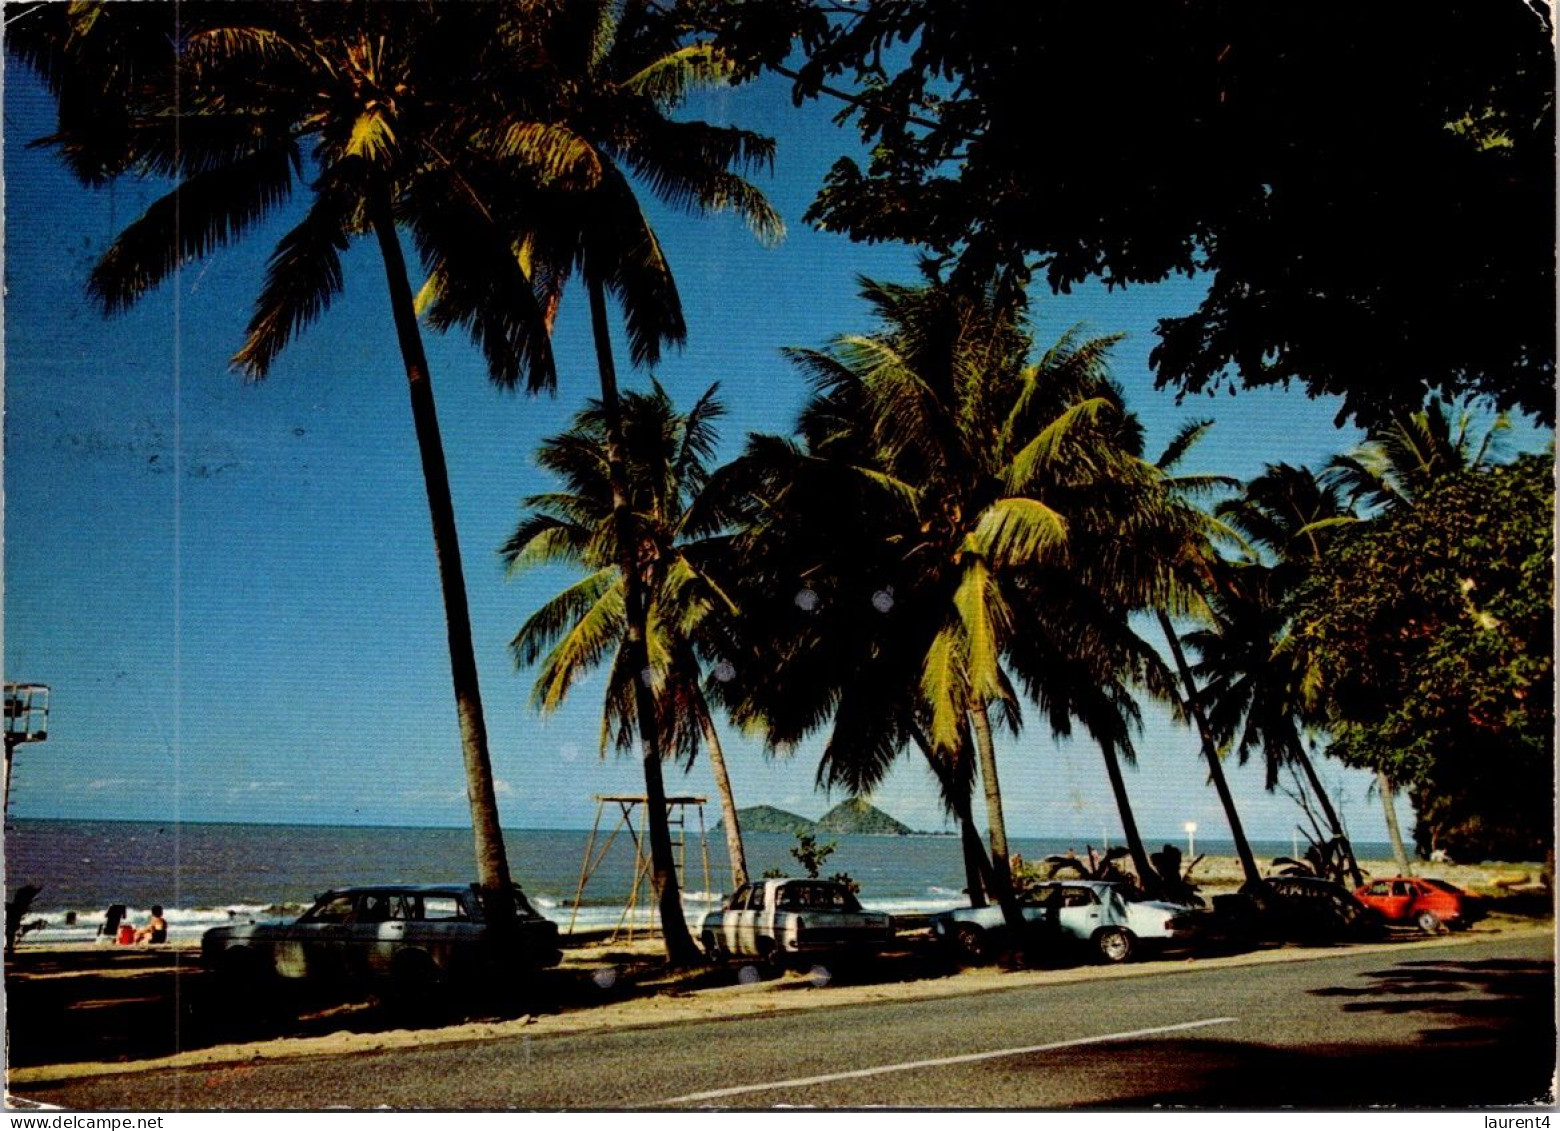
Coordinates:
80	1010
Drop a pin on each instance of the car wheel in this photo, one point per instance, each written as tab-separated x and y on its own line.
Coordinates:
1429	922
970	942
238	970
1114	945
413	984
243	998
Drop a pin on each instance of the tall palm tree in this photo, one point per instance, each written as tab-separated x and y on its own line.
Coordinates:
617	72
966	473
1254	674
682	535
1195	562
356	106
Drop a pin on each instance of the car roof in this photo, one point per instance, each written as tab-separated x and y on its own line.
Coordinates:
401	889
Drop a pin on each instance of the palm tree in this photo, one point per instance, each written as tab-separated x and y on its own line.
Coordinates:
1254	675
681	528
1193	560
984	494
356	105
617	71
1402	457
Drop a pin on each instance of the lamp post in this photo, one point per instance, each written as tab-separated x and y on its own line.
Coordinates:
1191	839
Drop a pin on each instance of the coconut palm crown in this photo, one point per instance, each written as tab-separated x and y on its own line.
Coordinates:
683	537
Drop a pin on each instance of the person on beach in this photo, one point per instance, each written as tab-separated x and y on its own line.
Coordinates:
156	929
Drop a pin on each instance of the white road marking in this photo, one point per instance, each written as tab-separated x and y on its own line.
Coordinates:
912	1065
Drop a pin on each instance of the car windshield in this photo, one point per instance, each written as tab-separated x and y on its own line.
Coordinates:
522	904
817	897
331	909
1442	885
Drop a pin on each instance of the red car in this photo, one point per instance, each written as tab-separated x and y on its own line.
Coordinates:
1430	904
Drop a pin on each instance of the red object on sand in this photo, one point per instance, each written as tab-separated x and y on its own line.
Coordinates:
126	935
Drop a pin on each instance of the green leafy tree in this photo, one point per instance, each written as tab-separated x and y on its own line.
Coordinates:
1372	200
1433	629
682	534
1399	460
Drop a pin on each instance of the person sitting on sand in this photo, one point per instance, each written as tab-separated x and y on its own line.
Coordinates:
156	929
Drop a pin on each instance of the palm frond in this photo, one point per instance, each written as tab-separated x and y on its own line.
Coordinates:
541	540
982	616
688	165
699	439
551	152
582	625
372	138
1048	443
1185	438
302	278
668	79
478	283
623	251
945	689
207	211
1017	532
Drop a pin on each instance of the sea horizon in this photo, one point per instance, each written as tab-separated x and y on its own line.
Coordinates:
1177	837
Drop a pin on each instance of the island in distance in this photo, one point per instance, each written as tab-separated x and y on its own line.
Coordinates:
855	817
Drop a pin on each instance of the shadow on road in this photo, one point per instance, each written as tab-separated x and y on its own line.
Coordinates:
118	1006
1490	1041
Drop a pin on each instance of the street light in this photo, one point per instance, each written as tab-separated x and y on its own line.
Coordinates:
1191	839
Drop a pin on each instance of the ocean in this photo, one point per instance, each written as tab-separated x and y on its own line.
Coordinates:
207	874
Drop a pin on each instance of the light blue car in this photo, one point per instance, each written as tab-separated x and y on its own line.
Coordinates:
1087	911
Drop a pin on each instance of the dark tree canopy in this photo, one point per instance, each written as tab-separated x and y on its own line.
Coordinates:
1370	186
1433	630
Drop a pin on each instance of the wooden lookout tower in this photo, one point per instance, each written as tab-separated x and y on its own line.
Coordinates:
639	912
26	720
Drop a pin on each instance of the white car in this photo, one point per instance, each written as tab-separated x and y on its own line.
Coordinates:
1088	911
777	921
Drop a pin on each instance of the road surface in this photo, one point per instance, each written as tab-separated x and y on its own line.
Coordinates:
1463	1025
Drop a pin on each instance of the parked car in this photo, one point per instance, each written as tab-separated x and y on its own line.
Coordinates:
1308	907
1428	904
416	935
1086	911
778	921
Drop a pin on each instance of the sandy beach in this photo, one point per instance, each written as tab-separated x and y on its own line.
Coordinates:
77	1010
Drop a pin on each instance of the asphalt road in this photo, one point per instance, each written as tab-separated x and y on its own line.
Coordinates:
1466	1025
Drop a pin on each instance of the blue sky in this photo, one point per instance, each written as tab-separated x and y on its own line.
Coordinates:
231	588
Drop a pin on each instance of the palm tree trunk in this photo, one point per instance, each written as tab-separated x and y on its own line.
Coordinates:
986	750
956	796
680	948
977	866
1248	862
1394	831
728	805
1147	874
1001	885
492	862
1329	812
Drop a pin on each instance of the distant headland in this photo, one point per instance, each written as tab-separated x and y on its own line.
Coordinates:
855	817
